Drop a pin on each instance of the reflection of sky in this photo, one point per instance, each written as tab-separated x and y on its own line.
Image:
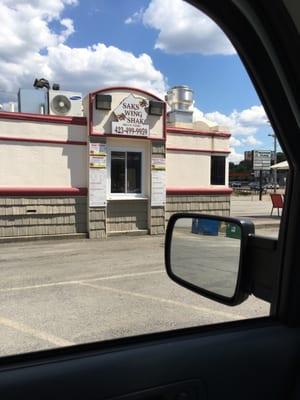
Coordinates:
210	262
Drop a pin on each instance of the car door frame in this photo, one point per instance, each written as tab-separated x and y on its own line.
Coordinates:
267	50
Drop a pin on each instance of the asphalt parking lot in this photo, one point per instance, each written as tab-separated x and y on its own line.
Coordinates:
60	293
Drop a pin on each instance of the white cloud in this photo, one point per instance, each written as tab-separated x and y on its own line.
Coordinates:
254	115
234	142
136	17
68	24
220	119
245	122
235	157
36	50
25	27
243	125
251	140
184	29
102	66
198	115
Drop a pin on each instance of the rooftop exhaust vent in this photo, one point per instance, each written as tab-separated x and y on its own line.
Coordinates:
180	98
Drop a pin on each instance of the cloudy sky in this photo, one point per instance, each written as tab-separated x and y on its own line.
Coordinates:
151	44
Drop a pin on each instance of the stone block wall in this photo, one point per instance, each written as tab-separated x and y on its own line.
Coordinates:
206	204
157	213
157	224
97	224
35	216
125	216
96	216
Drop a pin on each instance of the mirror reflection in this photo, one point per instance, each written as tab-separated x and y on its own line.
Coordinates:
206	253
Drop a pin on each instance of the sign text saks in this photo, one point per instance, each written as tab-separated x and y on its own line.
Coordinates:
131	117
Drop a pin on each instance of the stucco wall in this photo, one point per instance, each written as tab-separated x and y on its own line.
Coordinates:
188	141
187	169
29	158
200	142
188	157
25	164
42	130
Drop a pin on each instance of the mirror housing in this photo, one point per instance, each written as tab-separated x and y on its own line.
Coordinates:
245	228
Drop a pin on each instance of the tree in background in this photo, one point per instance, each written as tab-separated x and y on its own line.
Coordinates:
243	166
280	157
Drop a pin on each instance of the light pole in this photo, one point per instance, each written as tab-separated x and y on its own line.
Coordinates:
275	160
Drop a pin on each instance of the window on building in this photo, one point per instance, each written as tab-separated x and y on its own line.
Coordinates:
217	170
126	174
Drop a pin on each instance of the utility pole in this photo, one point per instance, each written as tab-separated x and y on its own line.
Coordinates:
275	160
260	185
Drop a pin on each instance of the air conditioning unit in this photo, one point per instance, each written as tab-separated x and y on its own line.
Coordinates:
65	103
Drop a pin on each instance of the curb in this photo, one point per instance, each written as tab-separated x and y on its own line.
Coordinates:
139	232
15	239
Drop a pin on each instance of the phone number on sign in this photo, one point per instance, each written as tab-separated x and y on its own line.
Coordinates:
121	130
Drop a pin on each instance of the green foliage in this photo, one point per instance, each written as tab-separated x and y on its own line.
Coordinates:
281	157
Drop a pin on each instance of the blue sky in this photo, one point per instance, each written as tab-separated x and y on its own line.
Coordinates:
87	44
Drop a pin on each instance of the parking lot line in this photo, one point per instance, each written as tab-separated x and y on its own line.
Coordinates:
203	310
121	276
74	282
56	341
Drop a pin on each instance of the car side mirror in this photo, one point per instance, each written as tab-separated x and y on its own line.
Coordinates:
205	254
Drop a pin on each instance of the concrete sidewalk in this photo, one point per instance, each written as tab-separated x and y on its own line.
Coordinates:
257	211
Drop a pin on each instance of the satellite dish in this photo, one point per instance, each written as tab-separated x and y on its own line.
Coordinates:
60	104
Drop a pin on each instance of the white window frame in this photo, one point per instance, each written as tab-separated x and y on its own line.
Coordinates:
126	196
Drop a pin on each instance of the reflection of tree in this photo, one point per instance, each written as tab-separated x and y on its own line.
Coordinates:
143	103
243	166
280	157
121	117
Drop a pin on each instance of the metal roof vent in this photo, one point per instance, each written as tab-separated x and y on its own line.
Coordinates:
180	100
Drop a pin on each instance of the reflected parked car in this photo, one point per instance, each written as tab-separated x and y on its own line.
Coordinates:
235	184
272	186
255	186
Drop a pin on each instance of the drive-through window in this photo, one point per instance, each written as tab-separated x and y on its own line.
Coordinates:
126	172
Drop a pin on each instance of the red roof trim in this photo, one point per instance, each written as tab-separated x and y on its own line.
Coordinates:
183	191
184	131
127	88
54	119
33	140
197	150
42	191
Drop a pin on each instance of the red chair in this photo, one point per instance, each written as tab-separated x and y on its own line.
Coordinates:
277	202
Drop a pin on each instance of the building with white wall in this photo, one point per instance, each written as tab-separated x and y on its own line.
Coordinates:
125	166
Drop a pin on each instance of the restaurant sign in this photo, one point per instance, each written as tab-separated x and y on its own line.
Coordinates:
131	115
